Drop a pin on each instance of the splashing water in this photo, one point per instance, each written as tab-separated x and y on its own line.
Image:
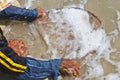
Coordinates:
28	3
75	32
118	14
69	34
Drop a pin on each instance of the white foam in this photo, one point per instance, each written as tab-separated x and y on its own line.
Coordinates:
85	39
75	22
95	69
112	76
28	3
78	22
82	3
118	18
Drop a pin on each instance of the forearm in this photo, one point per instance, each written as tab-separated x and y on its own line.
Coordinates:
20	14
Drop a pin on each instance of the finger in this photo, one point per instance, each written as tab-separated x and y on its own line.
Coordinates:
74	73
77	71
41	12
76	67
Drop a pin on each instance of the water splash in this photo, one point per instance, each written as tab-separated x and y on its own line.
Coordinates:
71	35
118	18
82	3
28	3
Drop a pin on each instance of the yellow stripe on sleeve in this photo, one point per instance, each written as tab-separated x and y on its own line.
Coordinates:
10	68
12	62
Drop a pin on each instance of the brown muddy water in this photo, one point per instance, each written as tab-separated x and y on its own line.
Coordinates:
34	35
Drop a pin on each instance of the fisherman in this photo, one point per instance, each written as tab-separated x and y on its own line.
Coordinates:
27	68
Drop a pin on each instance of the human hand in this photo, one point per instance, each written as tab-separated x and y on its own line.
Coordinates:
70	67
42	15
41	12
18	46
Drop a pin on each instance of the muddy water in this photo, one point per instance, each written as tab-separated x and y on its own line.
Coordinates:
105	9
107	12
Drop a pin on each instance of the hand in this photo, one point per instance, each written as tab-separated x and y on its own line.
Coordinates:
18	46
70	67
42	15
41	12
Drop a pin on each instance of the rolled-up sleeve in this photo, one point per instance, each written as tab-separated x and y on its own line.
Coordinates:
20	14
39	69
55	67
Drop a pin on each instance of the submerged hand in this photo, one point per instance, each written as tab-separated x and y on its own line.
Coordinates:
42	16
18	46
70	67
41	12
